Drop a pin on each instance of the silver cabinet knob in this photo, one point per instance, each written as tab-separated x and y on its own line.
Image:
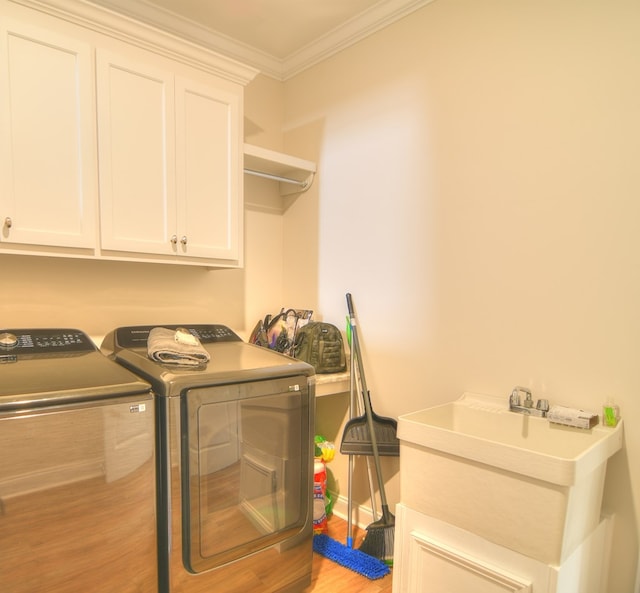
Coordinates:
184	240
174	239
8	222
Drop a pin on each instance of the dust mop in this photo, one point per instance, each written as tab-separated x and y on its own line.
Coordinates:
352	398
350	558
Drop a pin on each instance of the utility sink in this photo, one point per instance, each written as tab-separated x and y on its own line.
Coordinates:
514	479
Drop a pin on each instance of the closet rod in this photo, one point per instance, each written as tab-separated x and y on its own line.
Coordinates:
303	184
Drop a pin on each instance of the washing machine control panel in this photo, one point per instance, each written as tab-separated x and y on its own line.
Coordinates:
136	336
44	341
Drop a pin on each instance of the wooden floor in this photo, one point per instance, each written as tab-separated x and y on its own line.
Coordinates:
329	577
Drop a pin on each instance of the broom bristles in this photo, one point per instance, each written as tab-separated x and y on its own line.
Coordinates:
380	538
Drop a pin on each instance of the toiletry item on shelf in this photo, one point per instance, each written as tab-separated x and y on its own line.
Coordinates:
572	417
610	413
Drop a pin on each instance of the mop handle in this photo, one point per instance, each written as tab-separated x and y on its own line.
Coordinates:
367	402
352	397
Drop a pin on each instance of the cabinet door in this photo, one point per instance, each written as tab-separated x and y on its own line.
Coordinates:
47	129
431	555
136	142
208	177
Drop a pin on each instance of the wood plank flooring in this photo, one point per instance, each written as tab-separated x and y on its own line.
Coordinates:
329	577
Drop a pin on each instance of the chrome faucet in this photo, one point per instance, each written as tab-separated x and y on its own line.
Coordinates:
516	404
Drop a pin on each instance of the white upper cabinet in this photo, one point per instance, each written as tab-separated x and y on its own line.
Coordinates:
117	140
136	155
169	160
208	170
47	133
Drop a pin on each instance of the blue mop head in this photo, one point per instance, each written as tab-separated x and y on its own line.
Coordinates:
355	560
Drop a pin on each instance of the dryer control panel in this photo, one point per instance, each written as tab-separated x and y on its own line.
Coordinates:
136	336
44	341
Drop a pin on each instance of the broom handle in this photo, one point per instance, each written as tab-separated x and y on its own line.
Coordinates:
372	492
367	403
355	408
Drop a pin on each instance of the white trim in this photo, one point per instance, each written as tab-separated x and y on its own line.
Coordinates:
349	33
422	548
368	22
362	514
115	20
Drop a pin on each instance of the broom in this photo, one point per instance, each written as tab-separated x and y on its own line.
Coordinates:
379	540
354	407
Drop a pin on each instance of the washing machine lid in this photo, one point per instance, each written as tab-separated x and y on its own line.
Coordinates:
52	366
232	360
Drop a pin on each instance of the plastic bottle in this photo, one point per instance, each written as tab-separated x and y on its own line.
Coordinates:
610	413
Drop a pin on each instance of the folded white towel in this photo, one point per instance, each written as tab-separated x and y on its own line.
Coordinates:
175	347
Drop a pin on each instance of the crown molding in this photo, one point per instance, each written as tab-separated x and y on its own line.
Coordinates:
106	18
352	31
349	33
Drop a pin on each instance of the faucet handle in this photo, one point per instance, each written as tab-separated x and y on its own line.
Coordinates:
543	405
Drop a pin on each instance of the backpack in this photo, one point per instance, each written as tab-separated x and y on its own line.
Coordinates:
320	344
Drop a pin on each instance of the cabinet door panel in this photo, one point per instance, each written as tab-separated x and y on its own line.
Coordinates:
48	156
207	169
136	152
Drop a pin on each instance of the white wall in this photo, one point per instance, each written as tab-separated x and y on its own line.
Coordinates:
97	296
264	111
478	194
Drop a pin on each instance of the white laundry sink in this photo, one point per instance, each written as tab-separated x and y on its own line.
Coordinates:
517	480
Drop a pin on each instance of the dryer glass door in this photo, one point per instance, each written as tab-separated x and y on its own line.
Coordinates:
247	468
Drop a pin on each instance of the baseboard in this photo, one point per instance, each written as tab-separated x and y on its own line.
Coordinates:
362	514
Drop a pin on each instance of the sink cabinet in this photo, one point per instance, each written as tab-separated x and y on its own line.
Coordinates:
432	555
492	501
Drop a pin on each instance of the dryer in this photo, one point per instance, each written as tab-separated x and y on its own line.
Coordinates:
235	463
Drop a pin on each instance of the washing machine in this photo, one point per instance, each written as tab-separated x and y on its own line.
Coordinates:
235	463
77	468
